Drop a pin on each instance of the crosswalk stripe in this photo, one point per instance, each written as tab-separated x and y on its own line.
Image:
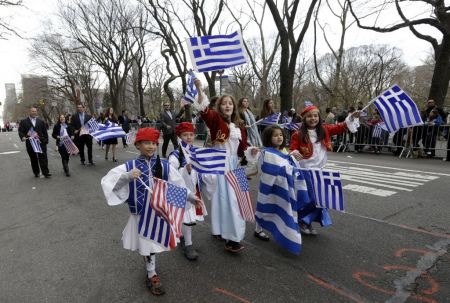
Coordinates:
369	190
360	180
380	177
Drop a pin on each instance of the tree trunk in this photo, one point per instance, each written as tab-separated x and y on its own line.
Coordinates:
441	73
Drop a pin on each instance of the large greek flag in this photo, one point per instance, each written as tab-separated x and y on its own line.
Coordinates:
205	160
107	131
327	187
210	53
397	109
282	192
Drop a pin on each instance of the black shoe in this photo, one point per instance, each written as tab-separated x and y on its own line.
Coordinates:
67	174
233	247
47	175
82	163
91	164
262	236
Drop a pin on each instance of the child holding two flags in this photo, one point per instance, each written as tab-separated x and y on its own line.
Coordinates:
147	230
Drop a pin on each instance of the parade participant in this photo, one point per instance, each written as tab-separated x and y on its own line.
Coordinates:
253	138
39	161
309	146
168	122
110	117
185	131
122	184
226	133
61	129
82	137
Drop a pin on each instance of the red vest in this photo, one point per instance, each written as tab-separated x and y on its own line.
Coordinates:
220	129
306	149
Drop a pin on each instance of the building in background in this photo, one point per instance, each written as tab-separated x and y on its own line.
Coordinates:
9	107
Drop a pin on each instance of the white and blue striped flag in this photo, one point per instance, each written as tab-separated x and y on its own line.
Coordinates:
269	120
397	109
191	90
108	130
216	52
282	192
92	125
290	126
327	187
378	130
33	137
205	160
308	103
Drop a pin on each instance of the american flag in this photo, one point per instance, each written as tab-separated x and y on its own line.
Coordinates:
397	109
327	187
216	52
191	90
163	215
34	141
269	120
71	148
239	183
92	125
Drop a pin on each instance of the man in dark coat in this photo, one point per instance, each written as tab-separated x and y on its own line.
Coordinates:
82	138
168	123
124	121
39	161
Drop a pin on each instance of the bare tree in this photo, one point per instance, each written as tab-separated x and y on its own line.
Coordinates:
102	28
6	29
290	43
439	19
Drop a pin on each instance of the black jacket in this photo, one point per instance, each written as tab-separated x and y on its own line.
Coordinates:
40	129
57	129
76	123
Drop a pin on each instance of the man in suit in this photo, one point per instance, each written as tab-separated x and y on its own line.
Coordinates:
38	161
125	123
82	138
168	123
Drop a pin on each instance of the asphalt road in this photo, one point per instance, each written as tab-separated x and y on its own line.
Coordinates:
60	242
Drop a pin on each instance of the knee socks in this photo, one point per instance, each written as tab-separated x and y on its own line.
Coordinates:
150	264
187	233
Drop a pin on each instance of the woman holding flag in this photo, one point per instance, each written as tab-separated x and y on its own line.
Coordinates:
110	117
60	130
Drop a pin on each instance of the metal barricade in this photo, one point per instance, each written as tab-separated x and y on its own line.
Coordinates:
428	141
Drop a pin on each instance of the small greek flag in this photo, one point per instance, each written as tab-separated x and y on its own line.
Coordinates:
191	90
327	189
397	109
205	160
33	137
290	126
378	130
92	125
210	53
108	130
308	103
269	120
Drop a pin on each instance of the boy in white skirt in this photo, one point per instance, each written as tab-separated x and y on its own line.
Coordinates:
125	183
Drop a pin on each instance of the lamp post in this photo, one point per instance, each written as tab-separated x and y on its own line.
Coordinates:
220	72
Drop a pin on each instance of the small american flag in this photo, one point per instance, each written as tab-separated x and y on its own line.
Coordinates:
71	148
269	120
239	183
34	141
169	201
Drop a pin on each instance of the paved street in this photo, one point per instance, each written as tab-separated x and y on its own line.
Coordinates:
60	242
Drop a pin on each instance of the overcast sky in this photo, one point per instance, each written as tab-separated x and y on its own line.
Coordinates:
14	58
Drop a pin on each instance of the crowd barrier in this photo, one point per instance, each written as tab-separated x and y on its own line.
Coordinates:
200	128
417	141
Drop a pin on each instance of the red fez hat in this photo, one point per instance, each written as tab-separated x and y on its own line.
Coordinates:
184	127
147	134
308	109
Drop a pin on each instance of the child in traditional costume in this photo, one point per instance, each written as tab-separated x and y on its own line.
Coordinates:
186	132
129	183
309	146
226	133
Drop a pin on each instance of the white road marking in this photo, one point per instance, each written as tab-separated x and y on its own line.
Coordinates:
387	167
359	180
383	179
132	152
369	190
10	152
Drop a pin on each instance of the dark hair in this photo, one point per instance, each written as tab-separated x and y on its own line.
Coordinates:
235	118
113	117
328	110
265	111
303	131
267	136
212	102
158	168
240	106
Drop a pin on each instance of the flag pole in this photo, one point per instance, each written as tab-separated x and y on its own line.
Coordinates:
368	104
143	183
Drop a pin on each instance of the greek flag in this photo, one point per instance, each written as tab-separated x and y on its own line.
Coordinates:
205	160
92	125
308	103
282	192
269	120
210	53
290	126
33	137
191	90
327	187
397	109
107	131
378	130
